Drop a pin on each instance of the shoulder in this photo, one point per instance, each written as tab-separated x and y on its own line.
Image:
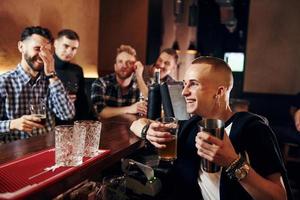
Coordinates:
7	77
189	124
249	125
75	68
248	118
104	80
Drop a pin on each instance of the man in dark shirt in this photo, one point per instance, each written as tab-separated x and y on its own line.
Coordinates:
166	63
248	154
66	46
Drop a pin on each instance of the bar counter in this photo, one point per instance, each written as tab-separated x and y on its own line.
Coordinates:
115	136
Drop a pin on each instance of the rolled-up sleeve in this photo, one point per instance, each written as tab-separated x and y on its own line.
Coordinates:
61	105
97	95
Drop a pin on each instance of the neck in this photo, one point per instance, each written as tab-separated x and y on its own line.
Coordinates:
59	63
28	69
124	83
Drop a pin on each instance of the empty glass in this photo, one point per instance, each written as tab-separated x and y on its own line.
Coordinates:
92	138
69	145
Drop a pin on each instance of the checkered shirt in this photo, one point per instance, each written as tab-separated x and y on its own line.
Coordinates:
107	92
17	89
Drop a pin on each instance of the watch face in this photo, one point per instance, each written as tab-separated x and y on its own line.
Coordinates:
242	172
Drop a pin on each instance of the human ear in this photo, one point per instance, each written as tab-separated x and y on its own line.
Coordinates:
21	46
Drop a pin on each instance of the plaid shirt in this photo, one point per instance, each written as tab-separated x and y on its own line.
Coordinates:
17	89
107	92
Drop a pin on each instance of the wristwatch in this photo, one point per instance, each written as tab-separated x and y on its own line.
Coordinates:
238	169
241	172
51	75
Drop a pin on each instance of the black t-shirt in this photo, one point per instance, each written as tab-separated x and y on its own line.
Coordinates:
252	135
249	133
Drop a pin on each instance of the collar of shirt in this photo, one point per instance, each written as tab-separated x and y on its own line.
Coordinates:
133	83
22	74
26	78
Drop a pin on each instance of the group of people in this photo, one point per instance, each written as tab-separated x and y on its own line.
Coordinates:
252	167
46	72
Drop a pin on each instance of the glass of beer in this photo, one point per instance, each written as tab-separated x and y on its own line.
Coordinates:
38	108
170	125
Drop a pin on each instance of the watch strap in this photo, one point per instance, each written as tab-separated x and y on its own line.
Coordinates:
238	165
51	75
144	131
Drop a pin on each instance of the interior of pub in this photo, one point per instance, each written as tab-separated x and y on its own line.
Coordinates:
149	99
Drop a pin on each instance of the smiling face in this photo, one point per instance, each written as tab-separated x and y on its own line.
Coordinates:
30	49
199	90
66	48
166	63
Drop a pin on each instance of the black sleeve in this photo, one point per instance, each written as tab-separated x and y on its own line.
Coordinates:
261	147
81	104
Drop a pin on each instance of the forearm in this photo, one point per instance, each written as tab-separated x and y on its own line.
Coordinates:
264	188
108	112
142	86
138	125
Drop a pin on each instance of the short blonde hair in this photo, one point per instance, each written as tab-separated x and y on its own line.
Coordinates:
126	48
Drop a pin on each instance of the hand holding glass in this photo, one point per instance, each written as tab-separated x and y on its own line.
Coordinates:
170	125
215	127
38	109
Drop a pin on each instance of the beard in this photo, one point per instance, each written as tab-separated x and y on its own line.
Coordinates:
124	74
30	61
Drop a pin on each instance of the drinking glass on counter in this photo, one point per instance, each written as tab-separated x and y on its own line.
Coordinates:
170	125
69	145
92	137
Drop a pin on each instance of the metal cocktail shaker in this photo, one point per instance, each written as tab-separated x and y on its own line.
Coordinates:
214	127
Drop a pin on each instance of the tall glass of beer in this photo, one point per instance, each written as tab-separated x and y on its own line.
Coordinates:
170	125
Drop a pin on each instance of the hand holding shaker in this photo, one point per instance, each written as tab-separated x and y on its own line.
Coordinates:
214	127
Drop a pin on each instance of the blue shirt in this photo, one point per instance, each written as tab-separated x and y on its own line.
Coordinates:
17	89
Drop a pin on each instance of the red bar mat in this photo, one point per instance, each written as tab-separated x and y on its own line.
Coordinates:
26	175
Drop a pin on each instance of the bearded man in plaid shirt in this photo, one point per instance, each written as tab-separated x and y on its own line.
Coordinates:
118	93
33	79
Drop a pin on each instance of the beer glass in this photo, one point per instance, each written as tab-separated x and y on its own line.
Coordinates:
37	107
214	127
170	125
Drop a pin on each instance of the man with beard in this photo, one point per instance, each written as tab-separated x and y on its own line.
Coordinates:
166	62
66	46
118	93
33	80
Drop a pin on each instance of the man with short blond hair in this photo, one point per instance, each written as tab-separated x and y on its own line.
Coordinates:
249	157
